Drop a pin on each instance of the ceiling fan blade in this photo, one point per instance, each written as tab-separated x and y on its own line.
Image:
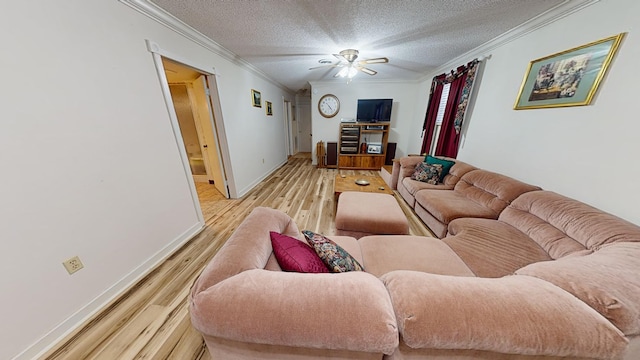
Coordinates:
382	60
374	61
325	66
367	71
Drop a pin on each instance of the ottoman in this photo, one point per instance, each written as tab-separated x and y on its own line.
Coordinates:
363	213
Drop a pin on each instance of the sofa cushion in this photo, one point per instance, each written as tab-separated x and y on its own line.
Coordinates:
295	255
456	172
335	257
408	164
429	173
382	254
348	311
513	315
407	187
413	186
491	190
491	248
607	280
446	164
350	245
564	226
249	246
449	205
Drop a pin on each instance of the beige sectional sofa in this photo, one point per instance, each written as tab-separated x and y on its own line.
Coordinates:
404	167
549	278
466	192
247	308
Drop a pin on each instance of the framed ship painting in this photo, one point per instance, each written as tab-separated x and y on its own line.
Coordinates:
568	78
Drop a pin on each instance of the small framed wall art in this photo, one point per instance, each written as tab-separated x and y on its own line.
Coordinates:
256	98
269	109
568	78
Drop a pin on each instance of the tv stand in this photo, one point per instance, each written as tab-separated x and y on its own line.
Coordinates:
351	138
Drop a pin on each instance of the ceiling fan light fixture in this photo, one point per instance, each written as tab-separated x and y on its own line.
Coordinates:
350	54
348	71
348	65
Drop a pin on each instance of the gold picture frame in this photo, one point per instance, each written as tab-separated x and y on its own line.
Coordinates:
256	98
567	78
269	108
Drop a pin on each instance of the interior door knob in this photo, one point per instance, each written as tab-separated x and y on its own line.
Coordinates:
205	145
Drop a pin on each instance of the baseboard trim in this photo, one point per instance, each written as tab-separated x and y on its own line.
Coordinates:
248	188
102	301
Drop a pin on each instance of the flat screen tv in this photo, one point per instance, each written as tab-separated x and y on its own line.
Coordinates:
374	110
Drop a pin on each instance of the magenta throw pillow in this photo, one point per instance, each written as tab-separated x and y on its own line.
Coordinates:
294	255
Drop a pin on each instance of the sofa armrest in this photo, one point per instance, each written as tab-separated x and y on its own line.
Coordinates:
395	174
408	165
349	311
513	314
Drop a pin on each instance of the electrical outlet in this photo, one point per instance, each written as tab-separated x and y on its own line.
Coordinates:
72	265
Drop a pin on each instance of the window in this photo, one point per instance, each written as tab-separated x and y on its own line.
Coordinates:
443	104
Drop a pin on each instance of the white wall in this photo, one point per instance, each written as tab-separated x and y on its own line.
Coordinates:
90	166
407	101
586	152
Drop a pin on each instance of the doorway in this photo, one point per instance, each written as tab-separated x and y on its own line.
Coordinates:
194	112
304	126
288	126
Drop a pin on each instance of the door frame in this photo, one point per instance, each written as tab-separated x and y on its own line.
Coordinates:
189	91
158	53
202	93
287	126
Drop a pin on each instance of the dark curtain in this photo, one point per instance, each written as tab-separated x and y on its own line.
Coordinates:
432	112
449	138
461	82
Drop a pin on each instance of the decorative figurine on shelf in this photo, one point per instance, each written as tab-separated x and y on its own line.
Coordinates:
363	147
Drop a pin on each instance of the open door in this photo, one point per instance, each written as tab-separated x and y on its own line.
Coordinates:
203	112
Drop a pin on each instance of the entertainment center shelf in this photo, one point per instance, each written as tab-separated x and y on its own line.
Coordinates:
362	145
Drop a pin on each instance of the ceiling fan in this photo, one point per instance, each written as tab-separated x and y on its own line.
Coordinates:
348	64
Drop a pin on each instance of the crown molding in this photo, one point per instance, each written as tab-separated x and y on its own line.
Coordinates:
566	8
151	10
550	16
334	82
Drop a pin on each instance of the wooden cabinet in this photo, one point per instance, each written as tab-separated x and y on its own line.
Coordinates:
352	153
363	162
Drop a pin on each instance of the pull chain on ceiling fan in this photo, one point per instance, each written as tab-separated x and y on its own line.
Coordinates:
349	66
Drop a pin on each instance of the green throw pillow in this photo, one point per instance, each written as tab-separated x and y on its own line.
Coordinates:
446	165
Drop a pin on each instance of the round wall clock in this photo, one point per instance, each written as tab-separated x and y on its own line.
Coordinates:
329	105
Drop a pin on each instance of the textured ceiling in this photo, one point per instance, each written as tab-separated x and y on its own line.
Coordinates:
284	38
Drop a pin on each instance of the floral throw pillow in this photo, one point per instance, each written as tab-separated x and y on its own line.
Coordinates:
429	173
335	257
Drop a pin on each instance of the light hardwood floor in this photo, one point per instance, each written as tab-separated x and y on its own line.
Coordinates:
151	320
